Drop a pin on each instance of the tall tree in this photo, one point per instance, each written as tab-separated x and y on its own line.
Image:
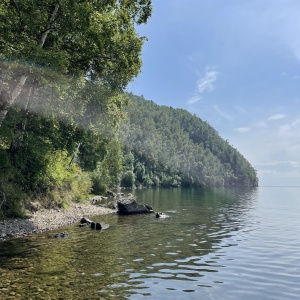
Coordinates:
88	38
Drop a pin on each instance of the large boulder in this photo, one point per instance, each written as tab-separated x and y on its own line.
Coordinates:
130	206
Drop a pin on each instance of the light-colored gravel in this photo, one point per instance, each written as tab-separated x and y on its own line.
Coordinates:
48	219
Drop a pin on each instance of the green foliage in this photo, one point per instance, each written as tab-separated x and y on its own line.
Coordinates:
128	179
98	187
108	170
12	196
59	141
64	183
113	162
128	160
12	200
98	37
173	148
74	59
100	177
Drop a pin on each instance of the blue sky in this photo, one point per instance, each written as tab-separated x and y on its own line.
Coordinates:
235	64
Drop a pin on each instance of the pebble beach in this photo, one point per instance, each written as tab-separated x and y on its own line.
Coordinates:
49	219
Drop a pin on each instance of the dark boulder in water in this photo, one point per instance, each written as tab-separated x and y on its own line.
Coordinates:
130	206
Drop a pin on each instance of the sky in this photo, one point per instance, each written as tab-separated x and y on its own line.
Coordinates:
236	65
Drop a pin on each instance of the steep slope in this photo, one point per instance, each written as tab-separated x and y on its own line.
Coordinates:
171	147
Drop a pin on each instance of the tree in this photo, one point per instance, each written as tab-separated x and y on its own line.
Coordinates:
88	38
63	67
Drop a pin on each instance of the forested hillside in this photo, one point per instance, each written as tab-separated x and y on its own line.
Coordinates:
171	147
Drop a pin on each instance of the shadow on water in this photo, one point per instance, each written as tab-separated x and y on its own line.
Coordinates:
138	255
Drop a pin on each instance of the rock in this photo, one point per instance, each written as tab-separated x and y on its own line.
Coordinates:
95	199
149	208
130	206
83	225
112	205
62	235
110	194
161	215
94	225
120	194
85	221
34	206
99	226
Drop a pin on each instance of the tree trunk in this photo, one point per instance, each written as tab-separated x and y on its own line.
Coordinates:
74	155
21	127
7	99
51	20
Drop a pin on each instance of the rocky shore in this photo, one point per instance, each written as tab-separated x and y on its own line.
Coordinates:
48	219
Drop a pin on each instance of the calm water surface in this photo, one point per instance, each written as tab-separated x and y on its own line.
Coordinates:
218	244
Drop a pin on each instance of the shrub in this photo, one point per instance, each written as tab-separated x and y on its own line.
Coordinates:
11	201
64	183
98	186
128	179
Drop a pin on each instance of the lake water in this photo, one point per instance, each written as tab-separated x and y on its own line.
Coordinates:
216	244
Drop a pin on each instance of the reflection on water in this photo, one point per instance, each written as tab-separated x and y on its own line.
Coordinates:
215	244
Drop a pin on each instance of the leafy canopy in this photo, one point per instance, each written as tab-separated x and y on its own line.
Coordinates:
88	37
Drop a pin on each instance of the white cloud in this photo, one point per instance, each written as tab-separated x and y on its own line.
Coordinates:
222	113
276	117
194	99
242	129
195	57
205	83
261	124
296	122
290	130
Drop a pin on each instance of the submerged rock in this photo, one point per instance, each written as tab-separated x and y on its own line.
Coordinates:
94	225
161	215
85	221
62	235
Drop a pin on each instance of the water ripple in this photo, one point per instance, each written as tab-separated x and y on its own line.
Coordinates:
227	244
